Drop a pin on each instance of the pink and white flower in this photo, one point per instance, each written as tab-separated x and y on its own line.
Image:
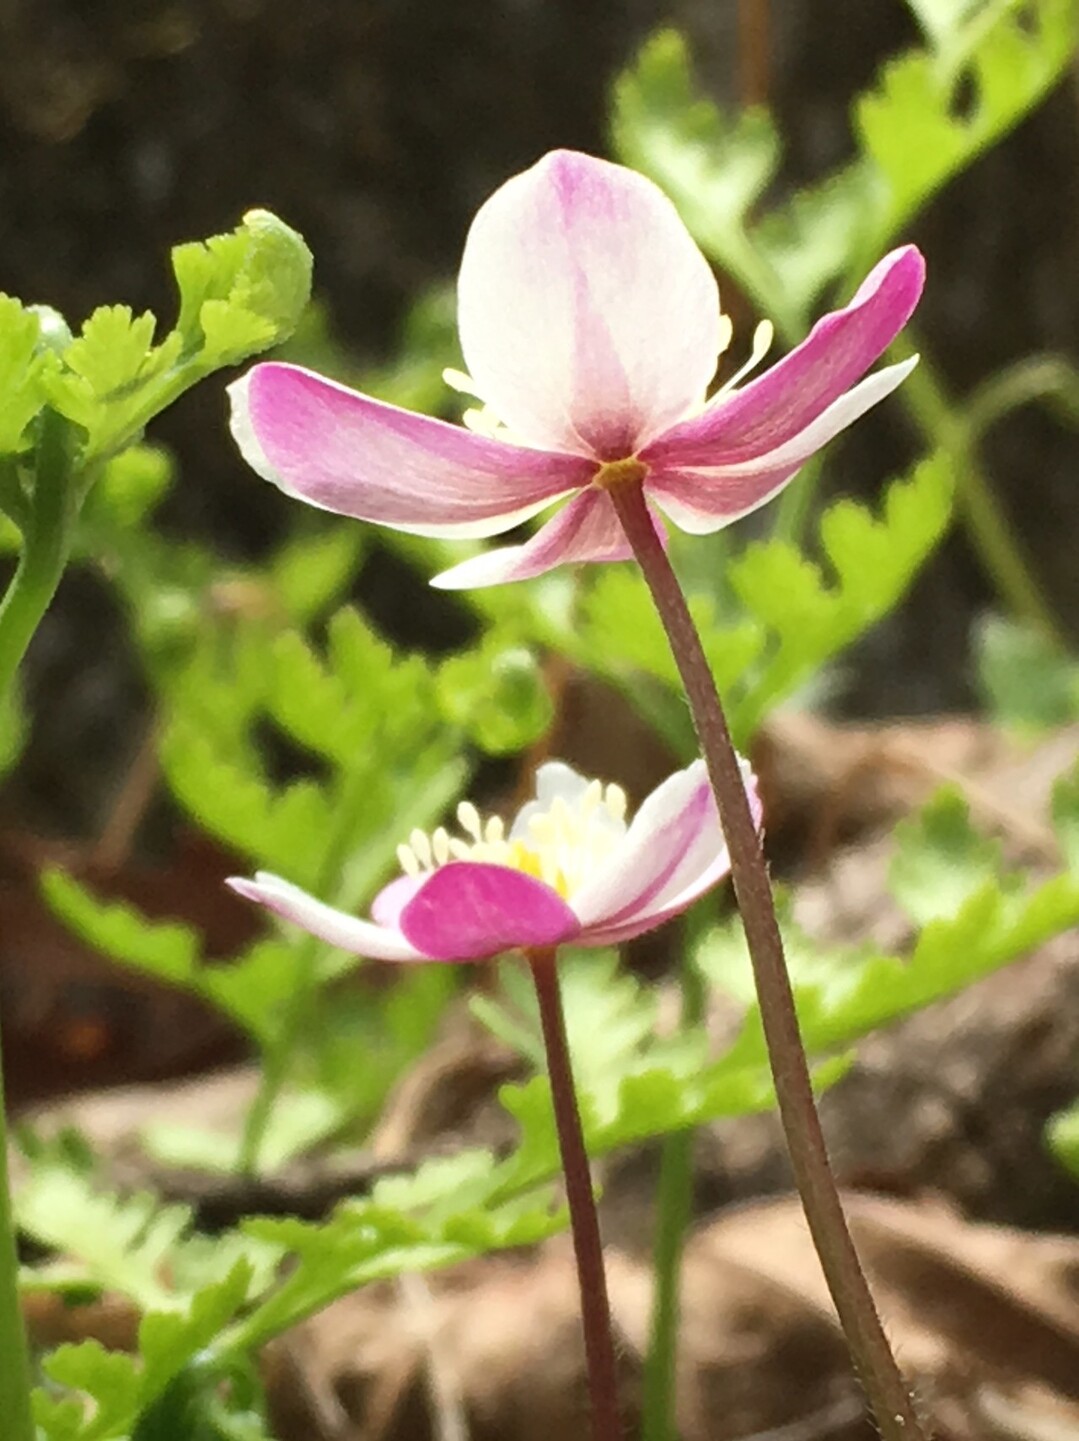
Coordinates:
569	869
591	327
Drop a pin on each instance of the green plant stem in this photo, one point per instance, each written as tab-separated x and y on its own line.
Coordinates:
18	1424
888	1396
674	1195
46	546
587	1243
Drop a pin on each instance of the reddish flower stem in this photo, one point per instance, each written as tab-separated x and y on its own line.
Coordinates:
587	1244
876	1366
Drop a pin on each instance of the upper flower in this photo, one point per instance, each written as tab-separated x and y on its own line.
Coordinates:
568	869
591	327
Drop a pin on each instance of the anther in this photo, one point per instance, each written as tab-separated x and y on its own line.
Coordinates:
469	818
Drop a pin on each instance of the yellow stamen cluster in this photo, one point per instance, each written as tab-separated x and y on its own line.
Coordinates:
563	845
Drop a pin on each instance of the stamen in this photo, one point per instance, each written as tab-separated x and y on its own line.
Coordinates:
615	802
480	421
726	334
469	818
460	381
566	841
762	344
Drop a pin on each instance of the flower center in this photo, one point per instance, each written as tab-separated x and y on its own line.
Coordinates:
620	472
561	844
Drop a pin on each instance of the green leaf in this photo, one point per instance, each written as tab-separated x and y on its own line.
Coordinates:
715	167
972	928
1063	1136
169	1339
112	348
108	1379
912	136
231	800
940	860
873	559
169	951
244	291
125	1245
22	365
1028	682
788	617
909	128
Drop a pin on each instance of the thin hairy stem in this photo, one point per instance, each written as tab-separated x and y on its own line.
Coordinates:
884	1386
587	1244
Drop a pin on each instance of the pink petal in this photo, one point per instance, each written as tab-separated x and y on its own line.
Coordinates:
662	846
470	910
703	866
585	529
342	451
702	499
770	411
336	928
391	900
588	317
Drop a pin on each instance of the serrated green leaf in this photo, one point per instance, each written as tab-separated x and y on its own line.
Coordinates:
166	950
121	1245
284	829
22	366
909	127
843	992
873	560
108	1379
940	860
913	139
242	291
112	349
169	1339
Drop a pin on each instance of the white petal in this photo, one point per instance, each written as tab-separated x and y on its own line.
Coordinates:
336	928
588	317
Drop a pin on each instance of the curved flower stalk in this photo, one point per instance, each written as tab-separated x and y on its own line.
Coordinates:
591	327
569	869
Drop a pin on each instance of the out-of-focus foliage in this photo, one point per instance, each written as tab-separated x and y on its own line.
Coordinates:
914	128
1028	682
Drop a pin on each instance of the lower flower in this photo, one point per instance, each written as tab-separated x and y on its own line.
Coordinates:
569	868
